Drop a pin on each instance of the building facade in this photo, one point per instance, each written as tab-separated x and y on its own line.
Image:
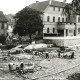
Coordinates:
57	27
11	23
3	24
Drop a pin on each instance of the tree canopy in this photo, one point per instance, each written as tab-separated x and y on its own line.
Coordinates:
72	8
28	21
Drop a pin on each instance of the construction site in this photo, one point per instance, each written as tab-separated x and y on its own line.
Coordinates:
39	63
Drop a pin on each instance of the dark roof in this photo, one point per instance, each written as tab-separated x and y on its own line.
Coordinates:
41	6
2	17
58	4
10	18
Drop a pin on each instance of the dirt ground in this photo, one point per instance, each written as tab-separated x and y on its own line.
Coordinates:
45	69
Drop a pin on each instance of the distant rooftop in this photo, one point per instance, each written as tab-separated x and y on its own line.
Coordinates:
2	17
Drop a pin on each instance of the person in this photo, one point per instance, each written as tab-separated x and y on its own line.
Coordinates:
9	53
72	56
10	67
47	55
59	55
21	65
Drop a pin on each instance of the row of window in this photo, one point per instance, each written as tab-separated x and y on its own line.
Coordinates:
58	9
49	30
59	19
4	25
70	31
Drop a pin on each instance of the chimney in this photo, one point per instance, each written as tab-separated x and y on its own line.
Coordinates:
50	1
37	1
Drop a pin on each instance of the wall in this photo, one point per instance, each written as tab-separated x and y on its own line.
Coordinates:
51	13
4	30
65	41
50	26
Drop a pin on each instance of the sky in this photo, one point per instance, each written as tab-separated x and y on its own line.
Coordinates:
13	6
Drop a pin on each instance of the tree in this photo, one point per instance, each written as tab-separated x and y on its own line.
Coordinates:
28	21
72	8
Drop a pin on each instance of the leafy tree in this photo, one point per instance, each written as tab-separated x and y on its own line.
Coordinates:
72	8
28	21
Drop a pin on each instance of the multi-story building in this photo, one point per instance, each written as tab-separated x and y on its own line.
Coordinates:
57	27
3	24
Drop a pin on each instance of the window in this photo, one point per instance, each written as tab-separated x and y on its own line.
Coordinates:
62	19
5	25
47	30
63	9
11	26
78	19
53	30
58	9
53	8
58	19
2	26
48	18
53	19
66	20
79	30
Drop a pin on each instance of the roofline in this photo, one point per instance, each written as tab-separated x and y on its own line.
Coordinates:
62	6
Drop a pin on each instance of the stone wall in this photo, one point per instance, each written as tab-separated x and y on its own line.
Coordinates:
69	41
66	42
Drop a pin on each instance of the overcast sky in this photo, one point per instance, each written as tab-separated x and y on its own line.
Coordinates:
13	6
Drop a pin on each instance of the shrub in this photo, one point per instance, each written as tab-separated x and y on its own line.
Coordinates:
75	76
2	39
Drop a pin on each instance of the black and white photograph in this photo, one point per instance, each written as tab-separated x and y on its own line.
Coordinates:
39	39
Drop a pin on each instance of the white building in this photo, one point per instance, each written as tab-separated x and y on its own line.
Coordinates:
57	27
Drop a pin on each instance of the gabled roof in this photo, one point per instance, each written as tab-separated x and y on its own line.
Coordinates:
41	6
2	17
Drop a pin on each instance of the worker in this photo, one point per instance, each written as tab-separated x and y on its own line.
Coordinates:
21	65
9	53
47	55
59	55
10	67
72	56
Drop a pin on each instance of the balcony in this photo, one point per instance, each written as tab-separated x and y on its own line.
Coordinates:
65	25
